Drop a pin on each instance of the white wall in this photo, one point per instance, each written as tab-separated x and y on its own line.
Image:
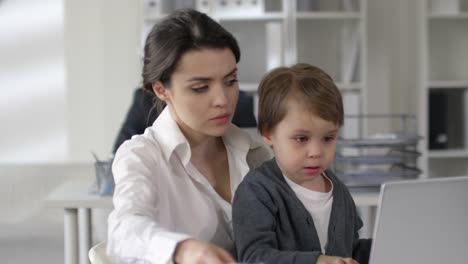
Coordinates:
102	43
32	86
67	73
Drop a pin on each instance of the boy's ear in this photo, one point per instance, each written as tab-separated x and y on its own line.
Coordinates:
160	91
266	136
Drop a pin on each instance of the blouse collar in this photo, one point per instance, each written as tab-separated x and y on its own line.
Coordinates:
172	140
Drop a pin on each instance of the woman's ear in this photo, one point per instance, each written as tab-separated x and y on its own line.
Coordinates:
160	91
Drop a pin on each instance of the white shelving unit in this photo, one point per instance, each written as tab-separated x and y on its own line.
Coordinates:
444	88
333	35
330	34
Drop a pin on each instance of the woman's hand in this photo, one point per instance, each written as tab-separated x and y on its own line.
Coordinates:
335	260
193	251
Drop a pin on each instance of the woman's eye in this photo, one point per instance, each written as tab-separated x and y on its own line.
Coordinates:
200	89
301	139
232	82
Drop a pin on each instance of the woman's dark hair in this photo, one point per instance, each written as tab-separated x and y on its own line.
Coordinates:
182	31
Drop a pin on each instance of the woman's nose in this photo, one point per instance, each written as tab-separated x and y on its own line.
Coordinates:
220	97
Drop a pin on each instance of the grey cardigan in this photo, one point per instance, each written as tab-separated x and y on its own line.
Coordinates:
271	225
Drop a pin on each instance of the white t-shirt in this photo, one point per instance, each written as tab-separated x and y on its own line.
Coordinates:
319	206
160	198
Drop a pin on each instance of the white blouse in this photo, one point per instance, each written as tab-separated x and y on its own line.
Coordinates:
160	198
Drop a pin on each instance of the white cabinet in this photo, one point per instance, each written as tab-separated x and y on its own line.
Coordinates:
444	87
330	34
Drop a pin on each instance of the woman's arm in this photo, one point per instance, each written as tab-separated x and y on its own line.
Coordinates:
134	233
195	251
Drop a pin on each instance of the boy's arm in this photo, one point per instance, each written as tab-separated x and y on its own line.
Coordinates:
254	223
361	249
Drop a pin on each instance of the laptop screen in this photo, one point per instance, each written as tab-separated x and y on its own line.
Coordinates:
422	221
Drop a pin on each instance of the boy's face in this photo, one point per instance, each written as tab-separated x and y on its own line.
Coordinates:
304	144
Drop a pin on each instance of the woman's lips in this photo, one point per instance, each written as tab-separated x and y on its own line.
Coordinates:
221	119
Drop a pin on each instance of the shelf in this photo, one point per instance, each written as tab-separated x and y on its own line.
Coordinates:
248	87
280	15
328	33
153	18
376	177
372	159
328	15
447	167
460	15
448	84
447	42
453	153
392	157
271	16
344	87
349	87
444	87
397	172
382	140
261	17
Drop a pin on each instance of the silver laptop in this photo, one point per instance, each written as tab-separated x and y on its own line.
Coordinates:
422	221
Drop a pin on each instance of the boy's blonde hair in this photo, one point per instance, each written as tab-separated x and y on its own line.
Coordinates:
305	84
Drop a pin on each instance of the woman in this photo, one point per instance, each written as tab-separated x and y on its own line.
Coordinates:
174	183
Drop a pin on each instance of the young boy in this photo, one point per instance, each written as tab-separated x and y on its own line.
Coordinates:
293	209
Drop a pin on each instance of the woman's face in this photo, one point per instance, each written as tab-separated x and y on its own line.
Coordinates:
203	92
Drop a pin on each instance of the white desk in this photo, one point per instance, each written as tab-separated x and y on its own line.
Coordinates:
73	197
366	200
365	197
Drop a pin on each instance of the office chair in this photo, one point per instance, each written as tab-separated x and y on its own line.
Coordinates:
97	254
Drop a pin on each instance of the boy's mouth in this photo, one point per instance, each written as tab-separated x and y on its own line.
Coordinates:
311	170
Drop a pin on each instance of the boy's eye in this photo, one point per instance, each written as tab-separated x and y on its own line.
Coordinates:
200	89
301	139
329	138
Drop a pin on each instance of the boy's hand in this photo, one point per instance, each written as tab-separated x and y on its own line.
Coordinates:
193	251
335	260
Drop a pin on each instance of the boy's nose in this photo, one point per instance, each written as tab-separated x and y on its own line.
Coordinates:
315	150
